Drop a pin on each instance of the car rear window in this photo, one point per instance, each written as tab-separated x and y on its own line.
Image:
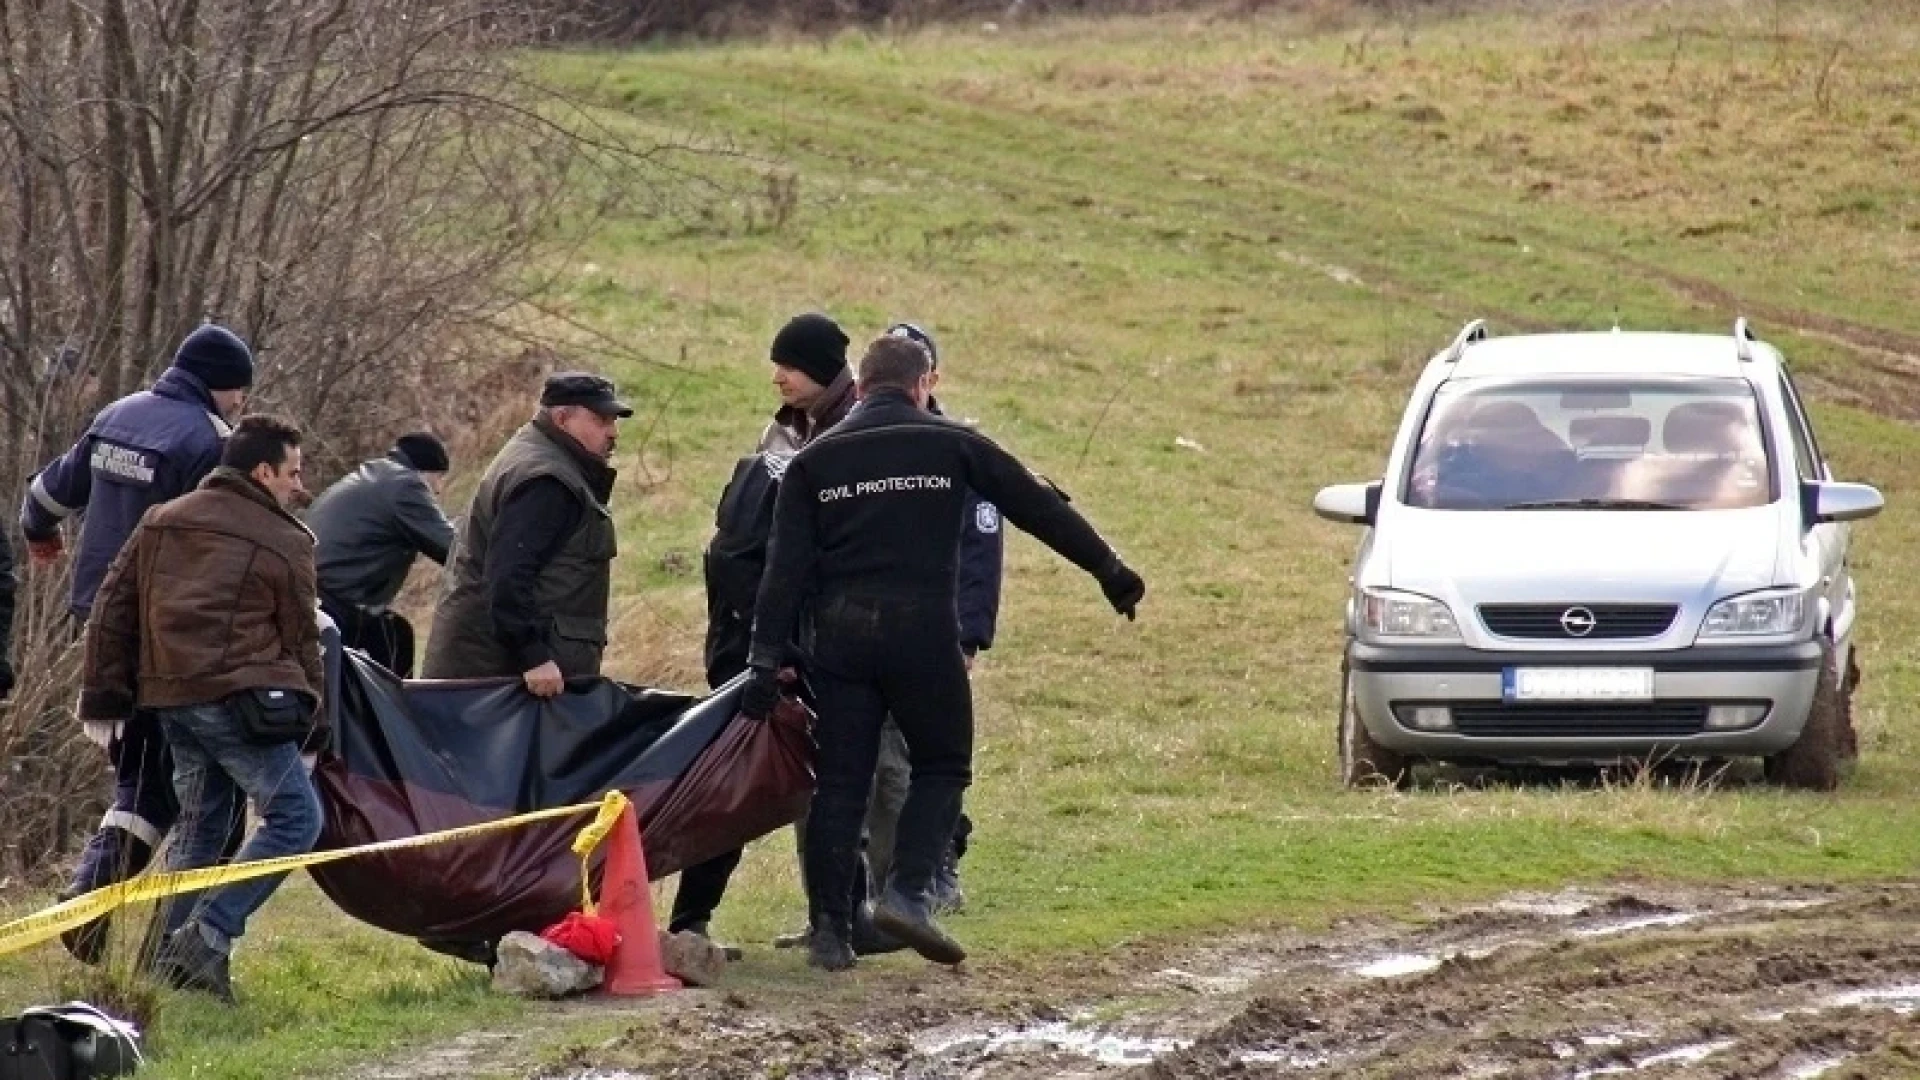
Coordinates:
1678	444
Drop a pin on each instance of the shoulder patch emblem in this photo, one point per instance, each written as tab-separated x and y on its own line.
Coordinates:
775	464
986	517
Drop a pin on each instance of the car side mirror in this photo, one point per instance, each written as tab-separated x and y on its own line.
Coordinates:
1349	504
1827	501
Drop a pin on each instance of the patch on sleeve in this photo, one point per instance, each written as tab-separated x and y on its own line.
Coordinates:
126	464
986	518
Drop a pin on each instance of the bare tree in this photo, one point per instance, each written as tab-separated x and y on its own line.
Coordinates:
361	188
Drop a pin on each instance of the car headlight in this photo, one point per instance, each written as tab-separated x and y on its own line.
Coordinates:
1776	611
1385	613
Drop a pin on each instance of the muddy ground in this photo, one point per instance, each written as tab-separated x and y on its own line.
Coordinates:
1655	982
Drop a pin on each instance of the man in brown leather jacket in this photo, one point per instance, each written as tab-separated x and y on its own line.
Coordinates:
213	598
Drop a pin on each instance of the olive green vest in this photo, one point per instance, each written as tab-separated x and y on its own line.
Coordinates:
571	590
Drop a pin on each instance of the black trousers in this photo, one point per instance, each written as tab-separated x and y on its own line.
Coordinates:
387	636
875	657
144	810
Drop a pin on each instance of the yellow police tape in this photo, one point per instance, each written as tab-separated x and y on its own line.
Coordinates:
47	924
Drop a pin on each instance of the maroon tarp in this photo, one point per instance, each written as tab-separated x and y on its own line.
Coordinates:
420	757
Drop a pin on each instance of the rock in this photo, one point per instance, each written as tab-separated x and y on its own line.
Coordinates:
532	966
691	958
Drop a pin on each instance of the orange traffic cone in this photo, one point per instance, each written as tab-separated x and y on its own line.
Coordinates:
625	898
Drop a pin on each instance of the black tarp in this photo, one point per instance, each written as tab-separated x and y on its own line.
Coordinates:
418	757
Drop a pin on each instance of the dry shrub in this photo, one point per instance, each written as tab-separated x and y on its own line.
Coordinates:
364	189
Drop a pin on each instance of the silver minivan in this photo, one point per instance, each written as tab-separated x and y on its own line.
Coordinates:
1595	548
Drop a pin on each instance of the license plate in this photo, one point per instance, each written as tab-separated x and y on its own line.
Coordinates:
1576	684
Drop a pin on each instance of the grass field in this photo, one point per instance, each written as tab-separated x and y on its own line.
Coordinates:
1187	266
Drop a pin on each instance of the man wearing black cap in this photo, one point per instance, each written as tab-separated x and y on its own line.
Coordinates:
525	591
141	451
369	526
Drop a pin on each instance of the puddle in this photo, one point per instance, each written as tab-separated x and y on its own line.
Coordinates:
1562	906
1397	965
1812	1068
1604	1041
1205	984
1645	922
1679	1055
1103	1047
1286	1059
1901	999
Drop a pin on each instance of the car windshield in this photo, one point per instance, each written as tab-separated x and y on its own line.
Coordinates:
1650	444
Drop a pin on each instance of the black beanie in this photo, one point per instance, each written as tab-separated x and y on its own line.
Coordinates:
217	357
813	344
424	450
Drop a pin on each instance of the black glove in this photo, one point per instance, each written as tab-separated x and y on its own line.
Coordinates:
1123	587
761	693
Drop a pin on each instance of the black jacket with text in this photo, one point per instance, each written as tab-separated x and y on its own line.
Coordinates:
874	508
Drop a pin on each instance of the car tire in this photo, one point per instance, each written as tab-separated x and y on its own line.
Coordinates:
1814	761
1850	736
1363	762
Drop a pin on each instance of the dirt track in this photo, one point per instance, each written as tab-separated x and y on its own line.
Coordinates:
1660	982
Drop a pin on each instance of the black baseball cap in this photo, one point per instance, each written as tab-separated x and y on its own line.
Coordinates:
582	388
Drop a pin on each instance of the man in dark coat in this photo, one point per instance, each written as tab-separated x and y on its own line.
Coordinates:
866	537
368	528
141	451
525	592
810	373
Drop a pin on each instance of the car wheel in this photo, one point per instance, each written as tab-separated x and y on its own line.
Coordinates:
1363	762
1813	762
1850	738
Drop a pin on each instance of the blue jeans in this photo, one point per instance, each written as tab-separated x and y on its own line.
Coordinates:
214	766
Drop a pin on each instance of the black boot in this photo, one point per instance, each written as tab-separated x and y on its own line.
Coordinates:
112	855
473	952
925	833
733	953
909	919
870	940
187	962
946	896
829	951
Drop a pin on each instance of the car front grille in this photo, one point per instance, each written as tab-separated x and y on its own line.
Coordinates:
1564	622
1548	721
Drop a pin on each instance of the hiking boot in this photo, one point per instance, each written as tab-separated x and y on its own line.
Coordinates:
909	919
798	939
733	953
485	953
944	896
829	951
187	962
870	940
87	942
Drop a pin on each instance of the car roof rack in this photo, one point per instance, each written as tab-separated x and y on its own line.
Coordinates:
1470	333
1742	335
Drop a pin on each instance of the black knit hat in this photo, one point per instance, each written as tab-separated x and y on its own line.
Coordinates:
424	450
217	357
812	344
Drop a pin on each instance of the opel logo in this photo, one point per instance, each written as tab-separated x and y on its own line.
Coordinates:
1578	622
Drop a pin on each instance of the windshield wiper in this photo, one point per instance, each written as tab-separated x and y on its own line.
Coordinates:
1594	504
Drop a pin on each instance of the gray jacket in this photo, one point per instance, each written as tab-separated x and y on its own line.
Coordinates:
370	525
